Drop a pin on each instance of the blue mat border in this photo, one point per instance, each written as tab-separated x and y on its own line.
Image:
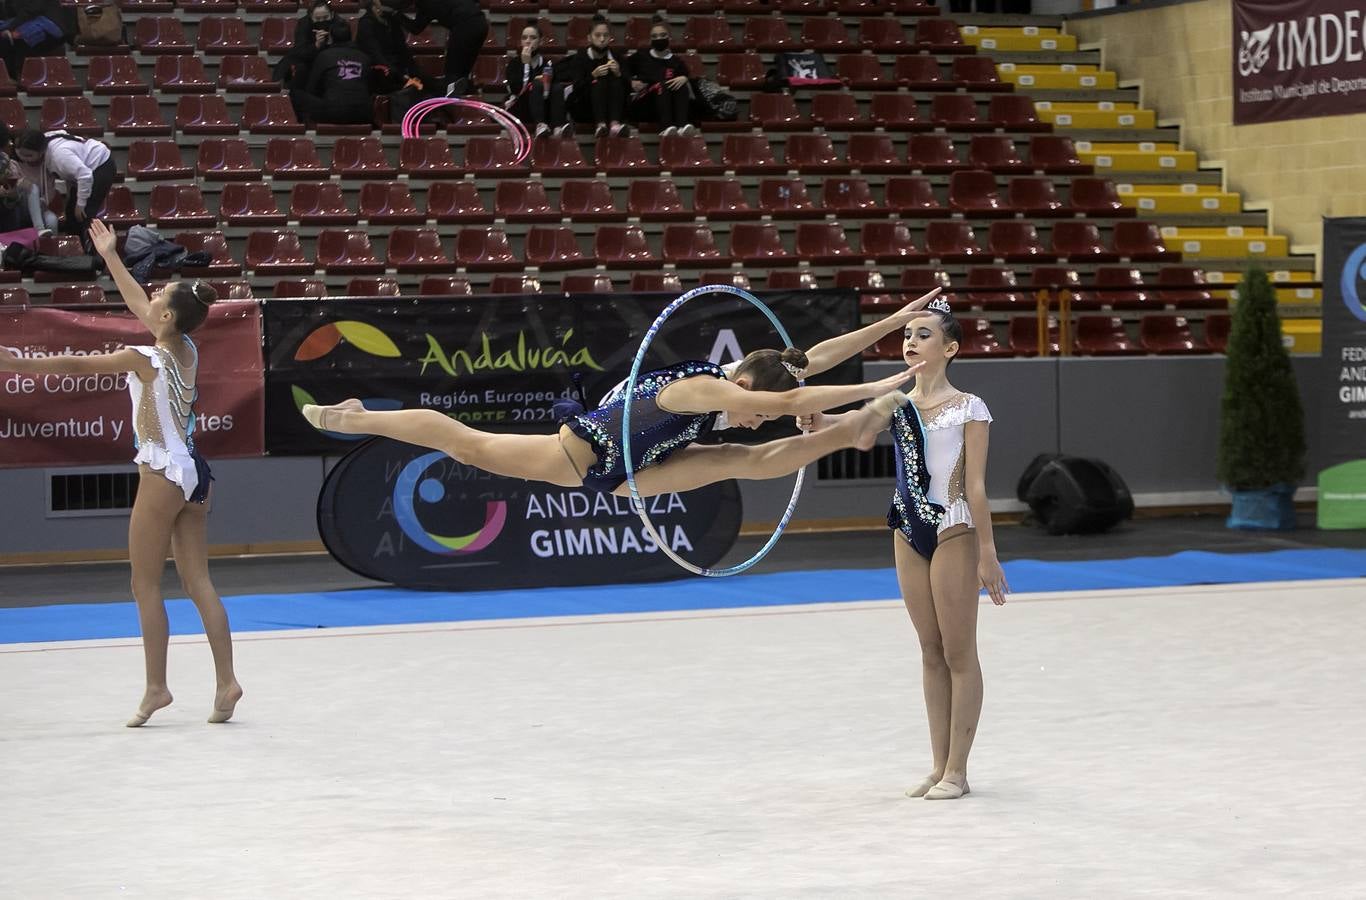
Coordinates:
391	606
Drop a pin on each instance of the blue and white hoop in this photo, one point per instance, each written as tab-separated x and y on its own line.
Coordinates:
636	502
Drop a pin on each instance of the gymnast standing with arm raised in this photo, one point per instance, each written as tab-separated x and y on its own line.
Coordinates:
170	512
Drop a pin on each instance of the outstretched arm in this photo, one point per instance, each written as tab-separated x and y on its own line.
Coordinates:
134	297
95	364
704	395
830	353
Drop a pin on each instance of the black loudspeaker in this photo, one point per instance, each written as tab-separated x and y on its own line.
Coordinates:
1072	495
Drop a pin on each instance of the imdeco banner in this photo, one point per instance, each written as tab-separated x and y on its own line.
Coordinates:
1295	59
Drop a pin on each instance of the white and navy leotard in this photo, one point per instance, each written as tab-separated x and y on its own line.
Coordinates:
163	421
930	455
656	433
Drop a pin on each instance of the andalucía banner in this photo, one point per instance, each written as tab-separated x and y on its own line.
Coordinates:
1342	392
1294	59
500	363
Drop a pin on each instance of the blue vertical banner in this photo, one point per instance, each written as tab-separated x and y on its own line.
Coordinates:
1342	390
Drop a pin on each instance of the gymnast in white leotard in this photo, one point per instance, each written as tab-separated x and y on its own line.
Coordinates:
170	512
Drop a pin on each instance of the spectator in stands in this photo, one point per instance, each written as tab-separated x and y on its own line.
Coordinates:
660	85
528	78
311	35
80	168
338	90
468	29
34	28
589	85
20	206
381	36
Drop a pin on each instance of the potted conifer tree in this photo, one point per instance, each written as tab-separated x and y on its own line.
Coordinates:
1261	438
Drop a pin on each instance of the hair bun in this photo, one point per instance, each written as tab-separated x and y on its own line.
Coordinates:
204	292
794	357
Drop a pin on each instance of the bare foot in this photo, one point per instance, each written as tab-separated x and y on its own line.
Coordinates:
318	417
224	703
152	701
923	787
874	418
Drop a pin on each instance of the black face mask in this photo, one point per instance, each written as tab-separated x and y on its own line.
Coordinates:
660	44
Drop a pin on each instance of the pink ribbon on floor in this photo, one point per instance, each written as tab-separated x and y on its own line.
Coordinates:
521	138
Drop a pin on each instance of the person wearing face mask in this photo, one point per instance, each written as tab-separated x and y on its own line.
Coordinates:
528	78
660	85
381	36
589	85
338	89
311	36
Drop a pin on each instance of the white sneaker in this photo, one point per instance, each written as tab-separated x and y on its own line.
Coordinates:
687	130
668	132
542	130
565	130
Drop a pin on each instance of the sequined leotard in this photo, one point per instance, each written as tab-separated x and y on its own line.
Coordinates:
930	494
163	421
655	433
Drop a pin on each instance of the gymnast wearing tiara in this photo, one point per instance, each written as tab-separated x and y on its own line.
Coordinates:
671	408
170	512
943	542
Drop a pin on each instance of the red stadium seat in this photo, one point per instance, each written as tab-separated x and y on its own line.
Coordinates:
687	154
979	339
270	114
759	243
1003	293
874	152
995	153
811	153
1217	327
883	35
785	198
1183	287
226	159
862	72
827	35
136	115
849	197
1142	242
896	112
777	112
181	75
1128	281
1097	197
76	295
419	249
204	114
449	201
152	160
888	241
1168	334
1104	336
363	157
582	200
1015	112
294	159
520	200
1075	241
277	34
837	111
1056	155
1017	241
347	251
373	287
820	243
951	241
745	71
974	193
48	76
276	251
477	249
793	280
180	206
247	74
623	247
114	75
977	73
251	203
445	286
1064	278
623	156
939	36
558	156
422	157
709	34
319	203
769	34
223	35
592	283
523	283
655	282
70	114
300	289
120	210
1023	336
957	112
12	112
913	195
749	154
221	261
916	72
655	200
1033	196
391	203
735	277
932	153
692	246
165	34
721	199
